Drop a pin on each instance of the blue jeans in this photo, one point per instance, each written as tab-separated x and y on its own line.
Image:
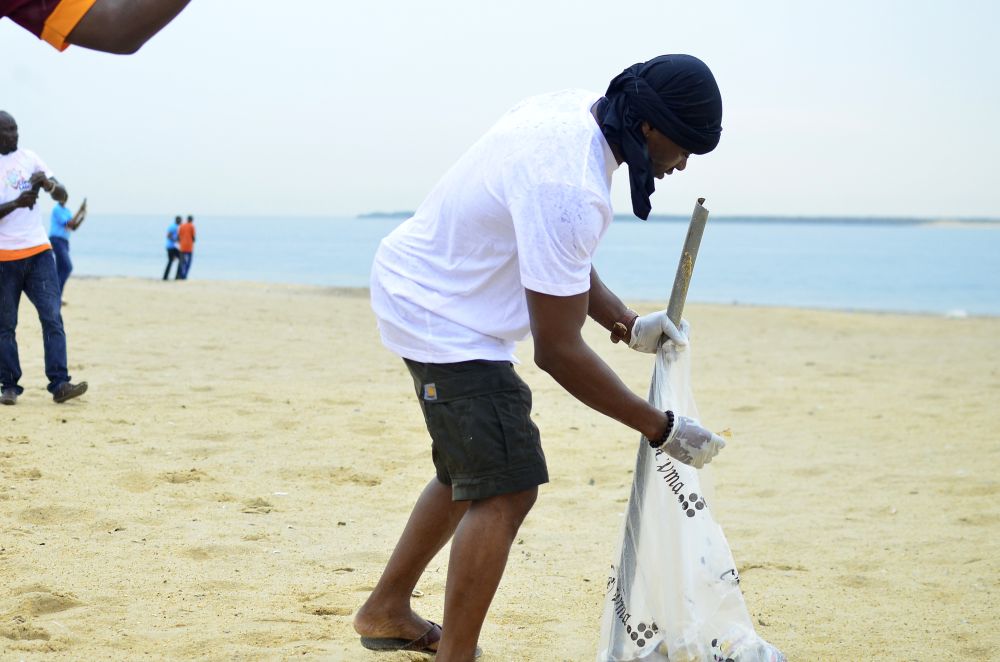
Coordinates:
64	266
35	276
184	265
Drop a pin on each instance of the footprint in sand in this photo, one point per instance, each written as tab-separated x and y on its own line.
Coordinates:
257	506
327	610
257	537
206	552
28	602
181	477
23	632
371	429
810	472
332	475
48	515
38	600
136	481
324	608
855	581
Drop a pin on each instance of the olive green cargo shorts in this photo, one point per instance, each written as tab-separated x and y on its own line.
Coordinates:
478	413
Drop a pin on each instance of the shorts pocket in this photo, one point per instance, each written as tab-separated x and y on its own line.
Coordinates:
480	423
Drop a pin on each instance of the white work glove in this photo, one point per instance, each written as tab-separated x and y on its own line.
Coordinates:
692	444
648	329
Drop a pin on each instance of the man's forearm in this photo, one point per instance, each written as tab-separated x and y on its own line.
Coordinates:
123	26
604	306
560	351
586	376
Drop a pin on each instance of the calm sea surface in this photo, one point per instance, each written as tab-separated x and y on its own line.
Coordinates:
854	266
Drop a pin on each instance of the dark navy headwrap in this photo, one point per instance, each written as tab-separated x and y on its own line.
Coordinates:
678	96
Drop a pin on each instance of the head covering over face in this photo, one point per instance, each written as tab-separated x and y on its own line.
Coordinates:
678	96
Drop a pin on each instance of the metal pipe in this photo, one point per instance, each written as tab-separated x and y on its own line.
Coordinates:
685	267
626	573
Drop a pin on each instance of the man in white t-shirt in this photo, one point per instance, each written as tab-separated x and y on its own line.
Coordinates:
27	265
501	247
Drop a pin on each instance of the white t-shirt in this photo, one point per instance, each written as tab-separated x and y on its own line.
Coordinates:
525	207
23	227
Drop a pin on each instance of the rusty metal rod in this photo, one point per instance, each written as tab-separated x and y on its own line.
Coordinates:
685	267
626	575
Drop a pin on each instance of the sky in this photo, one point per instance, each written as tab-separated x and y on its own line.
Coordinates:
859	107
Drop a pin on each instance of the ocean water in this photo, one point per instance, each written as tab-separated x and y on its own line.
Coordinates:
898	267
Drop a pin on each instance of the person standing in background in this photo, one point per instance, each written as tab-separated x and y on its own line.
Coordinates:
185	240
172	252
63	222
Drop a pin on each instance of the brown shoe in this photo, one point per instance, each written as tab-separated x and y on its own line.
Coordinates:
8	396
67	391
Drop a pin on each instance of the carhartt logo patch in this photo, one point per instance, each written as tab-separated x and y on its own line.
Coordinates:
430	392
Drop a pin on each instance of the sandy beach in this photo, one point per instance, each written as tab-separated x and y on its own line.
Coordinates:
234	480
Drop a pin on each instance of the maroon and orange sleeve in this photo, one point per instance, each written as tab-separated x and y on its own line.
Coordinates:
51	20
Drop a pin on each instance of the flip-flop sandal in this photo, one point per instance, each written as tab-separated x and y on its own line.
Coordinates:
421	644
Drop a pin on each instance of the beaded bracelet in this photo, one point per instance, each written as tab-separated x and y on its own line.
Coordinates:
666	433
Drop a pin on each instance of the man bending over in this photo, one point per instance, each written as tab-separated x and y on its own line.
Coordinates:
503	245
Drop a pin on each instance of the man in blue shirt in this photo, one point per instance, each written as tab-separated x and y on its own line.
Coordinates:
172	251
64	222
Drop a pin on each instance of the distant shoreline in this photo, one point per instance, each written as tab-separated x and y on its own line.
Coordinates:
386	214
827	220
898	221
803	220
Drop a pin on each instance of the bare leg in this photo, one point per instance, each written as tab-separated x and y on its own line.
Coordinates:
387	611
478	558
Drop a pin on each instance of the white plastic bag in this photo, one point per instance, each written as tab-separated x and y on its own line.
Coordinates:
673	592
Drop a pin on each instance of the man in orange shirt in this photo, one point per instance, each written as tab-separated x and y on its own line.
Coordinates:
114	26
27	267
185	241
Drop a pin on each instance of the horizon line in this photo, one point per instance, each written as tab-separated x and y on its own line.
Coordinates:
732	218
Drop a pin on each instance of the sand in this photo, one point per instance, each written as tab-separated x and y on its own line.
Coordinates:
235	479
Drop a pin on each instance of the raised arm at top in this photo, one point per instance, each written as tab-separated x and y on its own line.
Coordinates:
123	26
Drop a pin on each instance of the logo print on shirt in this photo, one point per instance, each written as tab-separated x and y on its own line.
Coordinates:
16	180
